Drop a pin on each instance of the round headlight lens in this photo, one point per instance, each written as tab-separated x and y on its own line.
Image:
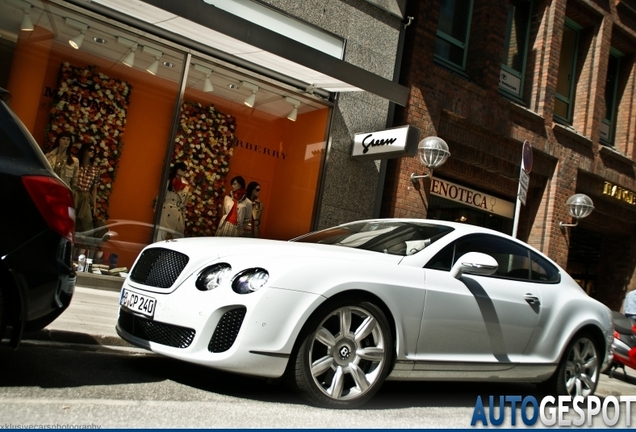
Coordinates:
213	276
249	281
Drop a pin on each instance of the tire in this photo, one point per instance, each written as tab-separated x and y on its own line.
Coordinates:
346	353
579	370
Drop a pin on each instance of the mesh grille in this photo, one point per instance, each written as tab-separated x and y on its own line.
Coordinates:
159	267
154	331
227	330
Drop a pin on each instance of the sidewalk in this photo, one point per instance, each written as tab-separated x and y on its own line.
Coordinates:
90	319
93	313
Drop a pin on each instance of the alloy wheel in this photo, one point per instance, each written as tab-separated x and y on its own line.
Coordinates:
347	353
581	368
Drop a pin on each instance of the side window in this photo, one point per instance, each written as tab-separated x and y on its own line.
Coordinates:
10	135
542	270
514	260
453	28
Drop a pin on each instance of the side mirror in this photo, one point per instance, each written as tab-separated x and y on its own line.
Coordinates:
476	263
109	235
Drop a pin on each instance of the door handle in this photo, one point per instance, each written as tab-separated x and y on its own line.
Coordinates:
532	299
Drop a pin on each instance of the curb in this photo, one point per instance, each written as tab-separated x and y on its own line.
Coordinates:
62	336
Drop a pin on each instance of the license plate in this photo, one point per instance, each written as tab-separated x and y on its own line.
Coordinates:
139	303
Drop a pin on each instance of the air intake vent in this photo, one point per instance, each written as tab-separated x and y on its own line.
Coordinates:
154	331
227	330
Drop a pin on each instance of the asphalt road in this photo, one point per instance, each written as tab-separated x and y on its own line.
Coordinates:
102	382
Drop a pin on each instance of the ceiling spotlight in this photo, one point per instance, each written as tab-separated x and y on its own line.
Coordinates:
27	24
294	112
76	42
154	66
251	98
207	84
129	60
99	40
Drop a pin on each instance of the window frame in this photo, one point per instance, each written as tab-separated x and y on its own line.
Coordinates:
505	69
610	123
463	45
533	258
569	99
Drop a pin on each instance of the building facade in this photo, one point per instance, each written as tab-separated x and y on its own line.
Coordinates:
487	76
272	91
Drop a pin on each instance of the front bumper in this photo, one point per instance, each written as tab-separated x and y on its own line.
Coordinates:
250	334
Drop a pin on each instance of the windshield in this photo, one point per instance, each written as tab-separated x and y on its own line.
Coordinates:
391	237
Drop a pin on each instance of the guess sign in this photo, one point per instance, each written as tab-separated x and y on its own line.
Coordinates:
389	143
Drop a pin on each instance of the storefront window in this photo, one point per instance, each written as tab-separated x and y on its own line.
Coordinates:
237	126
117	94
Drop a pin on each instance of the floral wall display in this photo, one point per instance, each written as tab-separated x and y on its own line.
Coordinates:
93	107
204	142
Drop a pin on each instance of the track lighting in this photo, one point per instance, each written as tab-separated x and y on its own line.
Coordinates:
251	98
207	84
26	24
294	112
129	60
154	66
76	42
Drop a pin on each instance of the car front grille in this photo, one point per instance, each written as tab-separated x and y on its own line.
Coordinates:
227	330
154	331
158	267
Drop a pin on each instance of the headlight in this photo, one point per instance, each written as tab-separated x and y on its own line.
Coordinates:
213	276
249	281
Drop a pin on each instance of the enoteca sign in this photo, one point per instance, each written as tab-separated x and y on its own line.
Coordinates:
385	144
472	198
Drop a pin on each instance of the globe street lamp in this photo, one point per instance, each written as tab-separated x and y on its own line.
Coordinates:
433	152
579	206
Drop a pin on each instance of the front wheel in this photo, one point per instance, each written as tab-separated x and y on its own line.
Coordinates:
579	370
345	355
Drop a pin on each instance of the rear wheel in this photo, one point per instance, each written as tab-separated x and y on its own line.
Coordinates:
345	355
579	370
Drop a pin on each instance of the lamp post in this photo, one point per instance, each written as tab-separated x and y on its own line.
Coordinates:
579	206
433	152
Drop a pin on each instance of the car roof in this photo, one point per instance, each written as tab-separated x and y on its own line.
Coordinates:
464	228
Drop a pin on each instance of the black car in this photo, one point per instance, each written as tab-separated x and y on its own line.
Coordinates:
37	225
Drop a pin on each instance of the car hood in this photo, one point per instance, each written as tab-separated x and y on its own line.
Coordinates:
212	248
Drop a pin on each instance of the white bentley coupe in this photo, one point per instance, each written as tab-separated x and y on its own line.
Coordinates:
339	311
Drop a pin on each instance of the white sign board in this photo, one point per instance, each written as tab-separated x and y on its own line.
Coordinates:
472	198
385	144
524	182
510	82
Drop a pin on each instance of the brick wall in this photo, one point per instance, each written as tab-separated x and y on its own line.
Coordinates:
485	130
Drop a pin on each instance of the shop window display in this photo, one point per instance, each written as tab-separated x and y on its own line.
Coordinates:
204	141
92	107
126	112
